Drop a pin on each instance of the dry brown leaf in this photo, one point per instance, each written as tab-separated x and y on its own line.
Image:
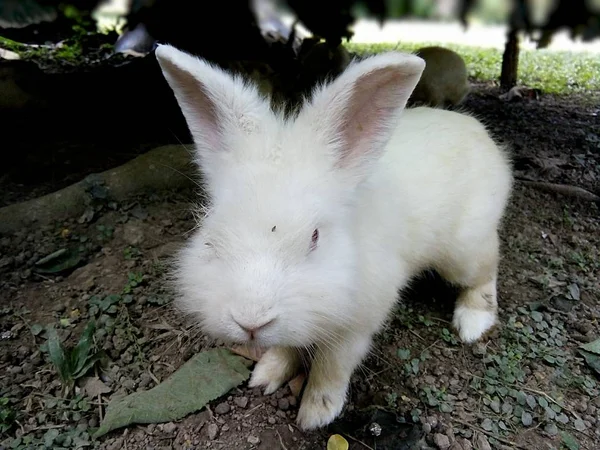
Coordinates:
296	384
93	386
252	353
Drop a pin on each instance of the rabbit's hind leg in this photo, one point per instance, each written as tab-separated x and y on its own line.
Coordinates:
474	268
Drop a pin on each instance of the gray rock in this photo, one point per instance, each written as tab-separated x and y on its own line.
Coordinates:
481	442
222	408
212	431
242	402
441	441
254	440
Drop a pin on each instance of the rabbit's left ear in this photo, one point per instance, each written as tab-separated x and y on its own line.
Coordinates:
217	106
358	112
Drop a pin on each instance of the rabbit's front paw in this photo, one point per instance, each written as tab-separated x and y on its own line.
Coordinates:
276	366
471	323
320	406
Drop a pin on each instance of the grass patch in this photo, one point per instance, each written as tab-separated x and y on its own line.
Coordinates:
554	72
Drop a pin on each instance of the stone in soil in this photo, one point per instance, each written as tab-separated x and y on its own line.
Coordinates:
481	443
283	404
441	441
222	408
254	440
242	402
212	431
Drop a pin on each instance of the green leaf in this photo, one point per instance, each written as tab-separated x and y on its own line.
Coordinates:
57	355
487	424
404	353
50	436
569	441
58	261
579	425
201	379
446	408
337	442
591	359
36	329
89	364
592	347
537	316
79	355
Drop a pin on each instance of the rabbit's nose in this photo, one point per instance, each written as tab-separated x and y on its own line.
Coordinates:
252	327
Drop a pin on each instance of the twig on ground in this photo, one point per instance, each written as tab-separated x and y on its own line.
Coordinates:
281	440
564	189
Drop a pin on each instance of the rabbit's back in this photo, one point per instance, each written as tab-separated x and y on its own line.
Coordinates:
443	182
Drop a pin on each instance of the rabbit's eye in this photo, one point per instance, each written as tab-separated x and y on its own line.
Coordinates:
315	239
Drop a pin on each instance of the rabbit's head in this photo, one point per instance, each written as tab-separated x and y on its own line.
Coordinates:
274	260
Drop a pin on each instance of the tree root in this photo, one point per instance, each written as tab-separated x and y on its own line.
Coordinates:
167	167
563	189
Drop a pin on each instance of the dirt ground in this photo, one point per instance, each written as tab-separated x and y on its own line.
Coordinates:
526	386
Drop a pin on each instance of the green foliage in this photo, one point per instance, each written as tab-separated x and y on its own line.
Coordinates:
554	72
7	415
134	279
132	253
71	364
203	378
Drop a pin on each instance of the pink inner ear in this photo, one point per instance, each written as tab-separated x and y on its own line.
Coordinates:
370	116
196	105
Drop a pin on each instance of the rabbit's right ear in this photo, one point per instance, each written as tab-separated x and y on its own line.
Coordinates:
357	113
220	109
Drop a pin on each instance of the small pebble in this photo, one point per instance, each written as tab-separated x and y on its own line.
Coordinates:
212	431
481	443
242	402
272	420
222	408
169	427
441	441
432	420
283	404
254	440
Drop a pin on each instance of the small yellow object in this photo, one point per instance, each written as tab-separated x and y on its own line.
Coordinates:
75	313
337	442
65	233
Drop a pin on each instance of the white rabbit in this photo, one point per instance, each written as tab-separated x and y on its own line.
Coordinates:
315	222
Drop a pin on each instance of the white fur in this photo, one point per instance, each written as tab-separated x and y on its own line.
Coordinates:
472	323
390	197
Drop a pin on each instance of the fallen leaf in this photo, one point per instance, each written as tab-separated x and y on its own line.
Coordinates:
201	379
337	442
93	387
592	347
59	261
592	360
569	441
296	384
253	353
